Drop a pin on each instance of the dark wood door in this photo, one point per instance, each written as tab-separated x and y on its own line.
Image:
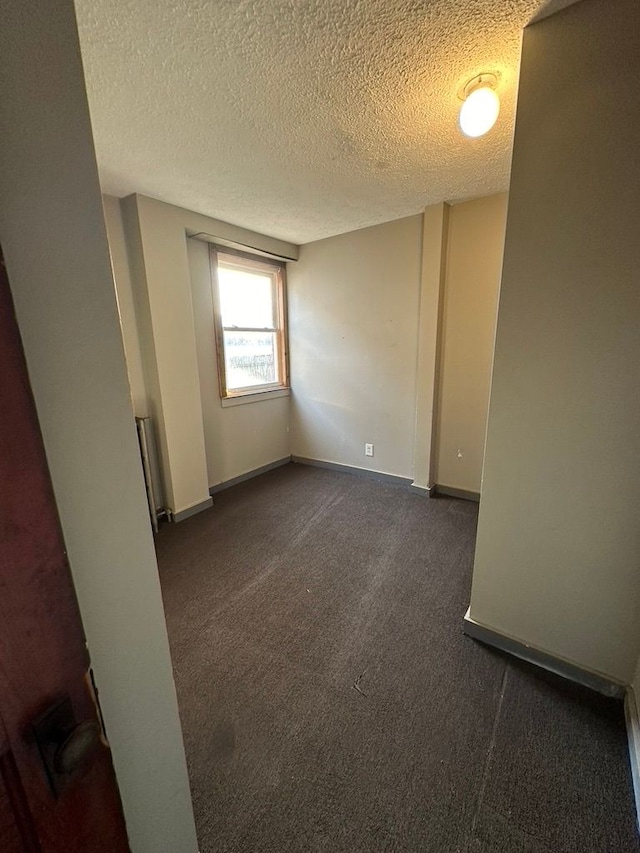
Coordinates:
57	786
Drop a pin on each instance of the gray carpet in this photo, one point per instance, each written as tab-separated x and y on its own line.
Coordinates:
330	701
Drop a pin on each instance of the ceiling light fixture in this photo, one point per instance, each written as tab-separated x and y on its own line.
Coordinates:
481	105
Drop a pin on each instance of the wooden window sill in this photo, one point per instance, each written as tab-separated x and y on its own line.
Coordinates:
254	397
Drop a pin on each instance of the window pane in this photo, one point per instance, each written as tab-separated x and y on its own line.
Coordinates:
250	359
245	298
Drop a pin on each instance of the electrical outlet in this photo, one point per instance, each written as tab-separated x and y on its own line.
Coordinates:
368	450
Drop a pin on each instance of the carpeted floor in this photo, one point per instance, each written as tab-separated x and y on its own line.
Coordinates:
330	701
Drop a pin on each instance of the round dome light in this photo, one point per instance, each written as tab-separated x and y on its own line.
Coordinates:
479	112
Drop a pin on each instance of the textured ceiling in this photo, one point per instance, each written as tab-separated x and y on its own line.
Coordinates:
299	118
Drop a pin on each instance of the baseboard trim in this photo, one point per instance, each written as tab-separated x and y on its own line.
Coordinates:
633	739
270	466
423	491
451	492
391	479
595	680
190	510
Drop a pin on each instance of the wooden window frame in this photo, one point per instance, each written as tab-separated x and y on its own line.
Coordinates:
258	264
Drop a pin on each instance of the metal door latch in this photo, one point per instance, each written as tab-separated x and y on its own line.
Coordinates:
66	747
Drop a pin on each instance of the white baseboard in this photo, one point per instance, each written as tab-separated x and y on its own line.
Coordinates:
633	737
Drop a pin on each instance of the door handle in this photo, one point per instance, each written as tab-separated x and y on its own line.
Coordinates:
77	749
66	747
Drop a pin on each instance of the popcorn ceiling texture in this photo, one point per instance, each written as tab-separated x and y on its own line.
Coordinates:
299	118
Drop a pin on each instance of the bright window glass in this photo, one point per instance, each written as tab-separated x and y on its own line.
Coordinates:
246	298
250	324
251	359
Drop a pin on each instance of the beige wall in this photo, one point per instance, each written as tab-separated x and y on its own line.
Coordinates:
53	236
126	310
475	243
558	551
635	681
399	282
241	438
157	247
353	320
435	229
157	238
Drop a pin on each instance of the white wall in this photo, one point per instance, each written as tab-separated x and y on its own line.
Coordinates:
241	438
353	319
558	551
475	244
53	235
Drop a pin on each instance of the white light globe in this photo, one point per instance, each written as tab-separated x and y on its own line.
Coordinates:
479	112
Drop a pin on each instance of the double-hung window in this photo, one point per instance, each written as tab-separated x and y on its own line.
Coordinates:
250	322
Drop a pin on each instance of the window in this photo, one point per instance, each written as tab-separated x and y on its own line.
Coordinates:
250	323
